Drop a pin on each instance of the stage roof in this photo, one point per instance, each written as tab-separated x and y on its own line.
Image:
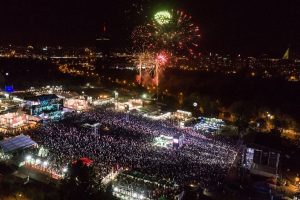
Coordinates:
44	97
16	143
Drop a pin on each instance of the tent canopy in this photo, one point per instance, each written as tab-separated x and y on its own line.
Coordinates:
16	143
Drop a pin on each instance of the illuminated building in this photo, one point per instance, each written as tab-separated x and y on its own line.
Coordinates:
76	104
15	122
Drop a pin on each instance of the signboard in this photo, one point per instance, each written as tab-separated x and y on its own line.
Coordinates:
9	88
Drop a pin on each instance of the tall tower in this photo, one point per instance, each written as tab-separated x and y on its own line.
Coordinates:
103	43
286	55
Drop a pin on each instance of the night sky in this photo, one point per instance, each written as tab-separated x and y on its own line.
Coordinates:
250	27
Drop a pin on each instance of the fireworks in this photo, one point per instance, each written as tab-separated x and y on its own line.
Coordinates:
162	17
162	58
172	32
167	38
146	64
142	39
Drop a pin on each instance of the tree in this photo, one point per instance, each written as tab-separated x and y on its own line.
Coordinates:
80	183
243	112
163	198
206	105
262	124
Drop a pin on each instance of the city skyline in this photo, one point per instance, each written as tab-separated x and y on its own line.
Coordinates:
252	28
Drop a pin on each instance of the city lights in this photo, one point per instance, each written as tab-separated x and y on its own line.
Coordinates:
150	100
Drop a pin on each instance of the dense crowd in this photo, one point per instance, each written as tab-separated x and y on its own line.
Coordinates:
126	140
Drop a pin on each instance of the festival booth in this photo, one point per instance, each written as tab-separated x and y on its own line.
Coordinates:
39	167
179	116
76	104
43	167
182	115
159	116
15	122
103	101
131	104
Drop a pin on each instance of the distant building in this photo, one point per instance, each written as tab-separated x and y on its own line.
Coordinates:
77	104
103	44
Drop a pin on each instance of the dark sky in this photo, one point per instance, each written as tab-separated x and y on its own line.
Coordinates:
249	27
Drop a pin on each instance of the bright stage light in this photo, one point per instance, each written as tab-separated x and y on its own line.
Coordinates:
37	161
45	163
28	158
116	189
65	170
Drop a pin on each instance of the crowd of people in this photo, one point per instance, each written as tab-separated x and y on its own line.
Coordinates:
126	140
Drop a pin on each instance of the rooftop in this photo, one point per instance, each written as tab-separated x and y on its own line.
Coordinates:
16	143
